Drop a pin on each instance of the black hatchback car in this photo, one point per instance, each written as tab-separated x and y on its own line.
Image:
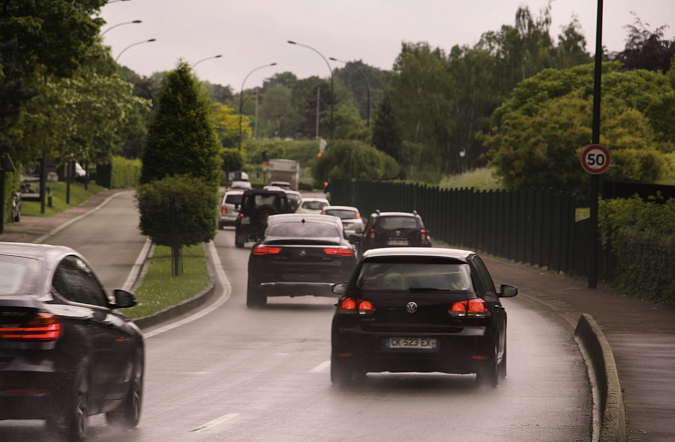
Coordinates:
419	310
299	255
392	229
65	351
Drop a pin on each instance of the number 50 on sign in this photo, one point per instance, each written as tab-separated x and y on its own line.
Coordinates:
595	159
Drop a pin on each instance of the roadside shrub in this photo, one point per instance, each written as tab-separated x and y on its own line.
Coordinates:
125	173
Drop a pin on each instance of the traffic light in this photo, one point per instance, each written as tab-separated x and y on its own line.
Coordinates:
263	154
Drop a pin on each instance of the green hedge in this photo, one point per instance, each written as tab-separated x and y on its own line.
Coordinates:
642	235
125	173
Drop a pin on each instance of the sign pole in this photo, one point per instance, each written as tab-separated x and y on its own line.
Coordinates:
593	251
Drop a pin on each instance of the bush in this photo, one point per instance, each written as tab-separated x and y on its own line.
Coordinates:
354	159
125	173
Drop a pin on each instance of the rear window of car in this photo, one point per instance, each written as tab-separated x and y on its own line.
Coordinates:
397	222
313	205
303	230
18	275
431	276
233	199
342	214
293	197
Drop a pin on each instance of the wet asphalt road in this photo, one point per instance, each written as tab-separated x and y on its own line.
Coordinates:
240	374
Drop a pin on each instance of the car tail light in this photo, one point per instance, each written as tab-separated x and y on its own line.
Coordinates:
351	306
358	215
423	236
472	307
223	210
339	251
323	212
372	235
44	327
263	250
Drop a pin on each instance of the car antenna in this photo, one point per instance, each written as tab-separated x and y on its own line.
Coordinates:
303	220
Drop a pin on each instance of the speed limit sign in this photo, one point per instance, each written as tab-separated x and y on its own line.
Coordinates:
595	159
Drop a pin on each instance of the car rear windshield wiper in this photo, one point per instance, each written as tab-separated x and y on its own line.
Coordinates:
426	289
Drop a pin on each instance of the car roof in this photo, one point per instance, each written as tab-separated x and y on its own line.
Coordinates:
322	200
264	192
234	192
434	252
298	217
38	251
412	215
341	208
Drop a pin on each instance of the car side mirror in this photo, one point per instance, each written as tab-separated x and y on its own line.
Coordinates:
507	291
340	288
354	239
124	299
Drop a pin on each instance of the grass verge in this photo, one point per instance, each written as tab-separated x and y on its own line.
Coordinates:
77	196
160	290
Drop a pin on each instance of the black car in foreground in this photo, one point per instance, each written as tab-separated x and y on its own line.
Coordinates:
392	229
419	310
65	351
299	255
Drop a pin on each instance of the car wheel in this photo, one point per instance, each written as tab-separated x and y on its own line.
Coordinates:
128	414
76	415
340	373
254	298
502	365
488	374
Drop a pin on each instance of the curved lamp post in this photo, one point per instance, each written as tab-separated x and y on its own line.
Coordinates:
241	96
120	24
367	89
204	59
332	97
132	45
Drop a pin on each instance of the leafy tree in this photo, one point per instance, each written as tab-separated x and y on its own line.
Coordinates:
354	159
177	211
181	139
360	78
232	160
387	135
227	126
646	49
277	111
13	95
216	92
285	79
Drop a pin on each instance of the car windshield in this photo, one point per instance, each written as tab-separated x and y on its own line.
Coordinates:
303	230
414	276
397	222
18	275
233	199
342	214
313	205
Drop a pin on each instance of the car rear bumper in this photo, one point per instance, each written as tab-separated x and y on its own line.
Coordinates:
294	289
31	395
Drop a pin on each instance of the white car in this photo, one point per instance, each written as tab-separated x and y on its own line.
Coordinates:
229	208
313	205
350	216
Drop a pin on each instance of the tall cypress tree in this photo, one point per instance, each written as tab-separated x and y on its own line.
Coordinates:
387	135
181	138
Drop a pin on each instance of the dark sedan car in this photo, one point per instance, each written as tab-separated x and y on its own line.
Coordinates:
392	229
299	255
65	351
419	310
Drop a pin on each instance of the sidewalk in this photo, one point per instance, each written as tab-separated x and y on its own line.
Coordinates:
641	334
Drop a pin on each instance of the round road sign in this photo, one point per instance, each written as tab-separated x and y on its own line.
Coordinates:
595	159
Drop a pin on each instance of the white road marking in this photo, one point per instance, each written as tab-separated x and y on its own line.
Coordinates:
213	423
320	368
227	291
136	269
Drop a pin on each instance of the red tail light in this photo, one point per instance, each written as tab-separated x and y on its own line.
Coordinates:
339	251
351	306
323	212
223	210
423	236
44	327
358	215
263	250
372	235
472	307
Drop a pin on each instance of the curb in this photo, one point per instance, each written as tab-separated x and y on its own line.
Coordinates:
188	305
611	406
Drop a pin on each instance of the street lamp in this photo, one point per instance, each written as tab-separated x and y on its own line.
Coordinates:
241	96
204	59
331	83
132	45
120	24
367	89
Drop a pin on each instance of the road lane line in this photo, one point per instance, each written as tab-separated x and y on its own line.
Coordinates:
138	265
227	291
213	423
320	368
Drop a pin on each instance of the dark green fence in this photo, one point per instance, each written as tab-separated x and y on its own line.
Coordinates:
536	227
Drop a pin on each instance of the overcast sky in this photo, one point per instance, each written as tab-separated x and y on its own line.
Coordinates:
252	33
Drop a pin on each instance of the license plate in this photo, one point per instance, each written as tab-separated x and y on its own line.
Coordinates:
245	219
421	343
398	242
